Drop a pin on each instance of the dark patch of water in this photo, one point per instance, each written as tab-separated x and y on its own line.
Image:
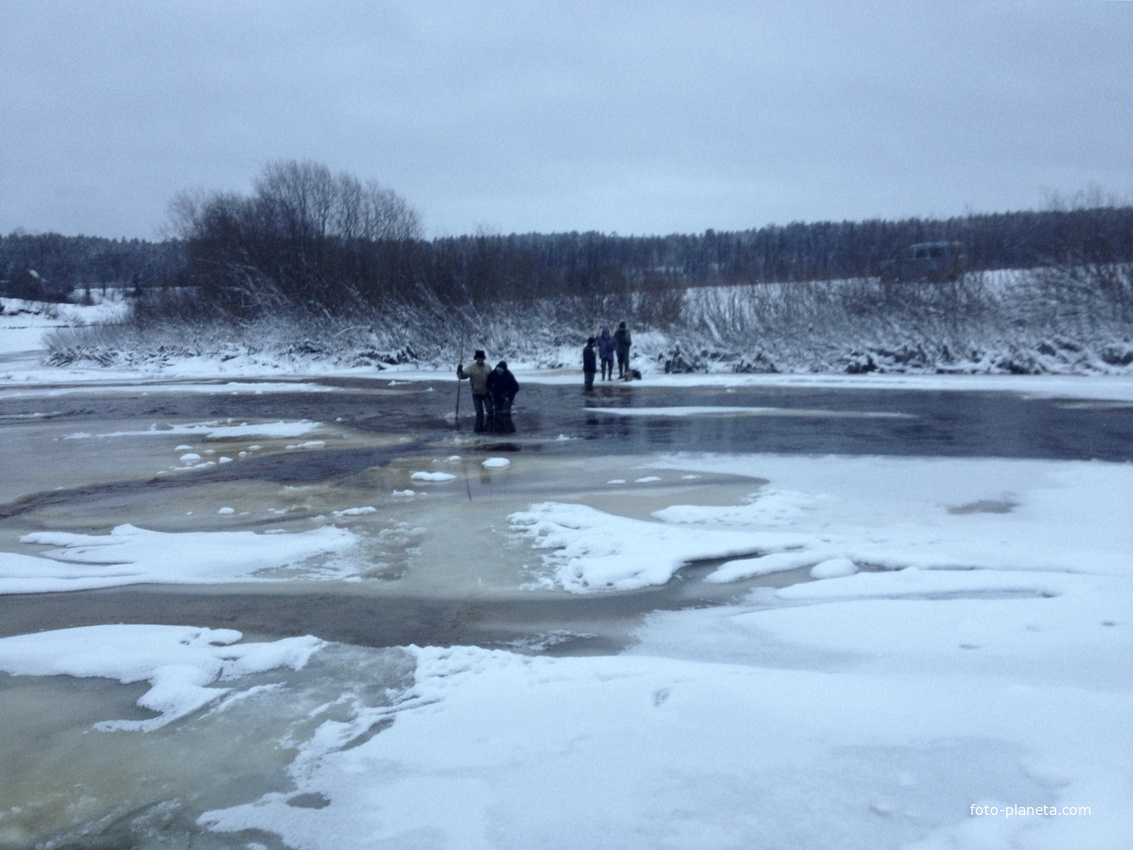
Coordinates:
819	420
591	624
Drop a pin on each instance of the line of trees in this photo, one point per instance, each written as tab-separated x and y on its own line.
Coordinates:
51	267
796	252
309	240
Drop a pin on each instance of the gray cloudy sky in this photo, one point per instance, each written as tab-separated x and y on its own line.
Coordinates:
628	117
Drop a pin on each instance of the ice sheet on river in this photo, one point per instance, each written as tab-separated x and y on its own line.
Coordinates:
878	709
132	555
835	514
596	550
214	430
181	664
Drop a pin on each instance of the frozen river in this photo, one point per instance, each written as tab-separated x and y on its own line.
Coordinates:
112	455
449	535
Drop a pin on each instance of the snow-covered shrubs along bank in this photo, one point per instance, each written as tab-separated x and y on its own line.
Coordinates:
1003	323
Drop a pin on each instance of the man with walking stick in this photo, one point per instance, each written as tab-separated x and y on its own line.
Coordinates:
477	375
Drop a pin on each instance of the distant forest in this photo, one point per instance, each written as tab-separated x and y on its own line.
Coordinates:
241	261
51	267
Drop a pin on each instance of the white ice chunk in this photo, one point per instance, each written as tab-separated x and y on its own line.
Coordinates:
432	476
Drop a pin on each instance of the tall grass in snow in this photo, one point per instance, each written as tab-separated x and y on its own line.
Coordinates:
1009	322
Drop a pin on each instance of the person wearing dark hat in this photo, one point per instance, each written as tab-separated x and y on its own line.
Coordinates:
502	387
622	342
477	375
589	364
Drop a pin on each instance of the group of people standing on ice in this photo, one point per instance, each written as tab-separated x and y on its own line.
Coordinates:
494	389
610	346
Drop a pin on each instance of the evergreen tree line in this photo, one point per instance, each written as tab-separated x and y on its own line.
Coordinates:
51	267
584	263
311	241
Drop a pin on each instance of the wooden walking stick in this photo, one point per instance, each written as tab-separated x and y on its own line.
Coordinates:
456	416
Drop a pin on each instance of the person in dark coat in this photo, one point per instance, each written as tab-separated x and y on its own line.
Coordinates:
502	387
606	347
622	342
589	364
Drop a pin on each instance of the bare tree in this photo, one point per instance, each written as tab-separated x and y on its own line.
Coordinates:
306	238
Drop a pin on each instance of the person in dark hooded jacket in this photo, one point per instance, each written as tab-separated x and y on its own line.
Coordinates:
502	387
622	342
589	364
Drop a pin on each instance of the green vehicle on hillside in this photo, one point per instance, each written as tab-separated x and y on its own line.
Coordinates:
926	262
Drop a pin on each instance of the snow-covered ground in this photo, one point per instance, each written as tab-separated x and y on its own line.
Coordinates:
957	672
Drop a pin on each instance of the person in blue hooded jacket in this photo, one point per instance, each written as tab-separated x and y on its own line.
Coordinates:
607	346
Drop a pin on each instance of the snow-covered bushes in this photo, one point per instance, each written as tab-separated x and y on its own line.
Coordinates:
1018	322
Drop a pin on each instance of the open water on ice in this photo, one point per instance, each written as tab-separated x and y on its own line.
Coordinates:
69	784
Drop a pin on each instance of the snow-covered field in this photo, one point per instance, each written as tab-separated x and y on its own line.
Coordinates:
955	672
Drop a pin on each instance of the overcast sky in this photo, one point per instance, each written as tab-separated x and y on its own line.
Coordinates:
629	117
